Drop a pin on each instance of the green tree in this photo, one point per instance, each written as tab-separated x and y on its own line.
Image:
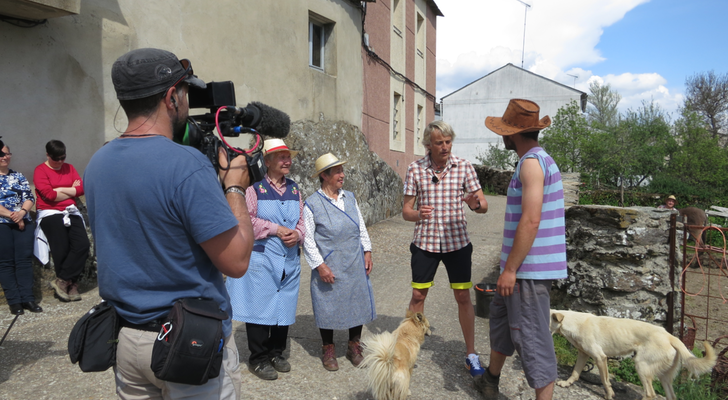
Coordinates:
706	93
699	164
495	156
649	141
564	140
602	110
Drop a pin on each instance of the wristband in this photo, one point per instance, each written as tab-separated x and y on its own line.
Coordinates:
235	189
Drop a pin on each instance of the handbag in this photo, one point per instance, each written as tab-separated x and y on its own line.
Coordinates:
92	342
189	346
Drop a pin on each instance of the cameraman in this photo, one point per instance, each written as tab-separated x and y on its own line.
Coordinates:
163	228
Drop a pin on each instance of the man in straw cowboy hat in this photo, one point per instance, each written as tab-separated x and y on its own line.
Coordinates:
267	296
533	254
436	183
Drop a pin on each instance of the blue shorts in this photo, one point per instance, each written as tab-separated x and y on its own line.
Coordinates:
520	322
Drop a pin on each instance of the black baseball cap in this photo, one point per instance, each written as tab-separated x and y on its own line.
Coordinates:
145	72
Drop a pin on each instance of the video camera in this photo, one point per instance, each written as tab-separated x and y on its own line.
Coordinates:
255	118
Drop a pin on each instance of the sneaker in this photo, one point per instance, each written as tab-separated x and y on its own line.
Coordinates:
73	292
353	353
328	357
61	288
487	384
472	363
264	371
280	364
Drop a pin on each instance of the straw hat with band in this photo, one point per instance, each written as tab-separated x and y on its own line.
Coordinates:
276	145
325	162
520	116
672	197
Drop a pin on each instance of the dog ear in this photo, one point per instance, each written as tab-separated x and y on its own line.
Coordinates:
557	317
419	316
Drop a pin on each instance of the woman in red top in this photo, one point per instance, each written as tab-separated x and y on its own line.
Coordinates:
57	185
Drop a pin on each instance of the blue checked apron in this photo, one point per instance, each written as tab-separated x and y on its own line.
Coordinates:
268	293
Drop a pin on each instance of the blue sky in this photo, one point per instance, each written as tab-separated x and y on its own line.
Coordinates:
644	49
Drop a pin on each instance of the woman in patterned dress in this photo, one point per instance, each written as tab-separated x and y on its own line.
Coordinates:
338	249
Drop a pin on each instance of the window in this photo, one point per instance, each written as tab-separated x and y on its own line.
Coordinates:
396	117
419	130
321	47
420	36
397	126
316	45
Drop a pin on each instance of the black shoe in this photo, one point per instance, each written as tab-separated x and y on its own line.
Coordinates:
16	309
264	371
31	306
280	364
487	384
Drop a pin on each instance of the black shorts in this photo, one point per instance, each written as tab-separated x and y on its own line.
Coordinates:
458	264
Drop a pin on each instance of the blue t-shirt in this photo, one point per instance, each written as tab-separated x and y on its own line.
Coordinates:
151	202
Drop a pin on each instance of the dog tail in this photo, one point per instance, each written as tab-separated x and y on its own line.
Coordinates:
378	351
696	366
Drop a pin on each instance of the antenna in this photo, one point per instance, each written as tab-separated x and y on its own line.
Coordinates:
575	78
523	52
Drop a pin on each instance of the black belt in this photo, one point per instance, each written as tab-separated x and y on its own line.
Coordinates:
151	326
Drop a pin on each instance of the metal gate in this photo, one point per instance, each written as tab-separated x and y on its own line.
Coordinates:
703	296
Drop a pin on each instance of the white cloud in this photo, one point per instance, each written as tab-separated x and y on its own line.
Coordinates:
476	37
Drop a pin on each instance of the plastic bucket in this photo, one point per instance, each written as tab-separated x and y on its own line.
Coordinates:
484	293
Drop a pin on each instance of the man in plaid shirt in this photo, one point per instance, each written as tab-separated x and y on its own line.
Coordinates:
440	183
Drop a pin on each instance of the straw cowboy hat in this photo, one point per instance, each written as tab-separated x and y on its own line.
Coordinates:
276	145
520	116
672	197
325	162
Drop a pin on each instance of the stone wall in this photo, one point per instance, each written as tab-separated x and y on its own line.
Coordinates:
378	189
618	262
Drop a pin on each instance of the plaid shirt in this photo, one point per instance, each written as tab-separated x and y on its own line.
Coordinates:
446	230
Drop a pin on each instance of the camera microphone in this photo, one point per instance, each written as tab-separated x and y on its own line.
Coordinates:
266	120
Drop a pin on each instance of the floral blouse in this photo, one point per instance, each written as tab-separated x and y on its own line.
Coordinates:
14	191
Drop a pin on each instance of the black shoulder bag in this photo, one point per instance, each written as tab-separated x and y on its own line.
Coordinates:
189	347
92	342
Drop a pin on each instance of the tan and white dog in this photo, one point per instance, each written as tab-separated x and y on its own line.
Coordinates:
656	352
390	357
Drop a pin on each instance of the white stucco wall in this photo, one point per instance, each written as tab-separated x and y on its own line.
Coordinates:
466	109
56	81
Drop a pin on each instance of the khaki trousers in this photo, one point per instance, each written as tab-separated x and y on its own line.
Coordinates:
135	379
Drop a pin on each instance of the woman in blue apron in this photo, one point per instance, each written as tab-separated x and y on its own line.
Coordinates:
338	249
265	298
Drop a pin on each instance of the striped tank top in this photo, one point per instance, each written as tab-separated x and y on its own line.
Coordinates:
547	257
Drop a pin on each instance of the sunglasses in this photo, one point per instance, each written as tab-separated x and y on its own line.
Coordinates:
187	65
61	158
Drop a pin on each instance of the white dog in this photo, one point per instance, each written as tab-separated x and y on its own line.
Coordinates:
656	352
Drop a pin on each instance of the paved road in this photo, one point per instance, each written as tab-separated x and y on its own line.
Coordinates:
34	362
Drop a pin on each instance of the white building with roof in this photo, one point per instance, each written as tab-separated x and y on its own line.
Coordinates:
466	108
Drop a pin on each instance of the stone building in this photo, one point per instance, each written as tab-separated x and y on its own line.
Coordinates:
324	62
466	108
